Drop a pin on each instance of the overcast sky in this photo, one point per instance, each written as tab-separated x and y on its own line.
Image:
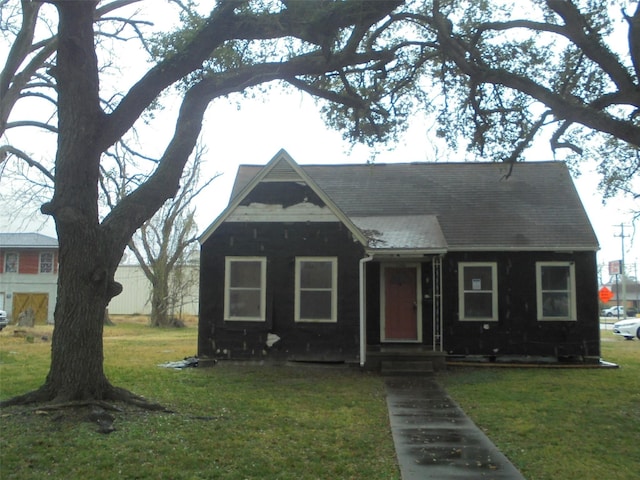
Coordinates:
252	130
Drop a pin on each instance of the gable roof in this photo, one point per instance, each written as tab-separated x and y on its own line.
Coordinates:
281	168
477	206
27	240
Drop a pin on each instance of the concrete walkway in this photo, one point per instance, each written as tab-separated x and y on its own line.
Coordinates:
434	439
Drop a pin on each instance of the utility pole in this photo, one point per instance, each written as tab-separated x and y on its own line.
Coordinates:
622	272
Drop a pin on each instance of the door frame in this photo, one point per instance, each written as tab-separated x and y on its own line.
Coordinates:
418	300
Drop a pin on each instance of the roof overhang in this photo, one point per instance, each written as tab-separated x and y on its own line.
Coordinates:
528	248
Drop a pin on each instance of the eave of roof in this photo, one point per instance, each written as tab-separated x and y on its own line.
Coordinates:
282	156
27	240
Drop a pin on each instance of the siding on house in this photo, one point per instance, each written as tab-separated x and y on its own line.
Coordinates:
280	244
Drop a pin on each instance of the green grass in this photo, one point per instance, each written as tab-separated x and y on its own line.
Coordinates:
250	422
230	422
560	424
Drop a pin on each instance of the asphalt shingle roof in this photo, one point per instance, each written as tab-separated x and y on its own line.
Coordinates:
477	205
27	240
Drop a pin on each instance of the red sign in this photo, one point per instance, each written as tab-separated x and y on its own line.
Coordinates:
605	295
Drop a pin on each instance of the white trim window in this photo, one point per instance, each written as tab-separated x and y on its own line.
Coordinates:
245	281
316	289
11	262
46	262
556	291
478	291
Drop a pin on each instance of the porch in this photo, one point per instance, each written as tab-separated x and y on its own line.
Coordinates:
404	359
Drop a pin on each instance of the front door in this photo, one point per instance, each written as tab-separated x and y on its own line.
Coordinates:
401	308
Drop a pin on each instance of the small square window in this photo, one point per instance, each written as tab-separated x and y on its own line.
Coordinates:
478	291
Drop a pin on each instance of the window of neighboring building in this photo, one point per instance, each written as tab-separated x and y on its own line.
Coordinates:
316	289
245	288
11	262
556	291
478	291
46	262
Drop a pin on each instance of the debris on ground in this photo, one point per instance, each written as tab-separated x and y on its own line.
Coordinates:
187	362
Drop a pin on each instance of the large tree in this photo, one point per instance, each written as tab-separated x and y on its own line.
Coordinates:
166	245
565	69
239	45
499	79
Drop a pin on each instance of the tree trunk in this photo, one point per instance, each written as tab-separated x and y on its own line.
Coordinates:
160	302
88	257
77	373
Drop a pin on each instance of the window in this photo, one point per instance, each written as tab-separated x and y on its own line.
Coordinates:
478	291
11	262
556	291
245	288
316	289
46	262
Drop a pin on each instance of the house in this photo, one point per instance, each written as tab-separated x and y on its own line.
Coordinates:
136	292
342	262
28	275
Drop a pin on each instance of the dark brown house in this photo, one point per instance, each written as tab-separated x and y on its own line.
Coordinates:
339	262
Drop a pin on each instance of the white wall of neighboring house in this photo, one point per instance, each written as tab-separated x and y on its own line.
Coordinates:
136	293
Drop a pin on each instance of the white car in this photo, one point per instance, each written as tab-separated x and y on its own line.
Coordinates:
628	328
3	319
613	312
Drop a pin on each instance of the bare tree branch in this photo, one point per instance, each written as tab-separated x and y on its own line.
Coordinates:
6	150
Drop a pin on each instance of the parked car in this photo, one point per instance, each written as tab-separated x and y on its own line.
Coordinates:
616	311
3	319
628	328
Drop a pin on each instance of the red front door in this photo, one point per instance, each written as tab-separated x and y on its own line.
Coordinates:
400	304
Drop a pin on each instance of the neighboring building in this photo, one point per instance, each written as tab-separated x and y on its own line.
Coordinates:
28	275
340	262
631	294
136	292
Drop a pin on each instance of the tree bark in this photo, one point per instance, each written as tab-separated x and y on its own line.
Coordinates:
87	259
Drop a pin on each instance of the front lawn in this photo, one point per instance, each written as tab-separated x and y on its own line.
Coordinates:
230	422
560	424
255	422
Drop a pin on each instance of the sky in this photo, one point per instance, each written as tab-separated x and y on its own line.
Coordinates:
252	129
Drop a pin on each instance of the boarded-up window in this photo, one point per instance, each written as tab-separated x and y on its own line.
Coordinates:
245	288
316	289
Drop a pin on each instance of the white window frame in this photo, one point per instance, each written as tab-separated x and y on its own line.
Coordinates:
6	262
40	262
227	289
493	291
333	289
572	317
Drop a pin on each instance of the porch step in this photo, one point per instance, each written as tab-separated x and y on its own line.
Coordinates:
406	367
